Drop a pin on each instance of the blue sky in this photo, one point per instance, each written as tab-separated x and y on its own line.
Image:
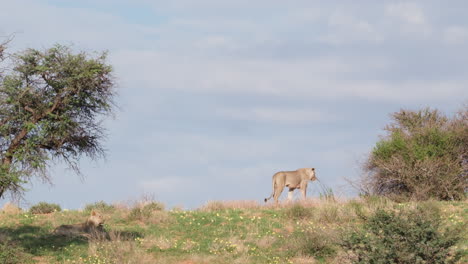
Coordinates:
216	96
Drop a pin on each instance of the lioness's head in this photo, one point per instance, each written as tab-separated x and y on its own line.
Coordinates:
311	173
95	220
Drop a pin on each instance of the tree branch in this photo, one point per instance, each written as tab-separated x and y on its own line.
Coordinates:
29	109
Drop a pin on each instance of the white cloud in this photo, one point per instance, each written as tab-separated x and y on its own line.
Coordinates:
187	149
191	56
163	185
279	114
409	91
348	57
456	35
41	25
318	78
346	29
216	42
411	17
409	12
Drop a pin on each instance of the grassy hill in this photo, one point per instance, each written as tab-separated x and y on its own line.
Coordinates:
313	231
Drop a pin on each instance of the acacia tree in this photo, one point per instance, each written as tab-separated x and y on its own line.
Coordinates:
2	49
52	104
424	155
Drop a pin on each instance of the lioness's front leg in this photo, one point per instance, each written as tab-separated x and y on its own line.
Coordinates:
304	189
290	194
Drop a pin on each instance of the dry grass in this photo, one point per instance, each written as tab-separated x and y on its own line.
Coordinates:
223	205
10	208
161	242
299	232
265	242
117	251
252	204
303	260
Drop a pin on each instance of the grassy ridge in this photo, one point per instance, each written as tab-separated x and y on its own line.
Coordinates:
312	231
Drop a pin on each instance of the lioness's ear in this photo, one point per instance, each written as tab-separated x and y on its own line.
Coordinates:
313	169
93	213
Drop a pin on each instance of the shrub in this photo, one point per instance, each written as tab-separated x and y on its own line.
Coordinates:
318	243
100	206
146	211
214	206
423	156
10	208
297	211
409	236
153	206
327	193
330	214
45	208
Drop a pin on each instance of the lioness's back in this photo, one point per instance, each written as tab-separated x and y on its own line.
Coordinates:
93	223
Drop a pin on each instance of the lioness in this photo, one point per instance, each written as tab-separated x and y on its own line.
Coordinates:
297	179
92	225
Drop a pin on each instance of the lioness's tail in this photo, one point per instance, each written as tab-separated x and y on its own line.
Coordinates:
274	183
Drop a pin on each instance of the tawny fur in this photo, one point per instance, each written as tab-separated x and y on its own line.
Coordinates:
93	224
297	179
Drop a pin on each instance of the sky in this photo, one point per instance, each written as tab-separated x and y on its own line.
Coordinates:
216	96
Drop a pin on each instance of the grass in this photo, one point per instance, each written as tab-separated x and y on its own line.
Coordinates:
219	232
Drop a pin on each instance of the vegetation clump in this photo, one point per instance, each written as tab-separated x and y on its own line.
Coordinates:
45	208
52	103
145	211
407	236
297	211
360	231
13	254
100	206
317	242
423	156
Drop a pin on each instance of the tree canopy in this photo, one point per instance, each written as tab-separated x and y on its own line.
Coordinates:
52	104
424	155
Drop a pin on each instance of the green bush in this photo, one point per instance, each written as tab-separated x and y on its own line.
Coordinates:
45	208
153	206
146	211
298	211
424	155
407	236
318	243
327	194
100	206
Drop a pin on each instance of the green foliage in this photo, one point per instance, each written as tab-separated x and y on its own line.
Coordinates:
327	194
318	243
424	155
51	106
297	211
44	208
144	212
407	236
12	254
245	235
154	206
385	149
100	206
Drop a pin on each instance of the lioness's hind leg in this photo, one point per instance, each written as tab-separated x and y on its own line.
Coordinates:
277	194
290	194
